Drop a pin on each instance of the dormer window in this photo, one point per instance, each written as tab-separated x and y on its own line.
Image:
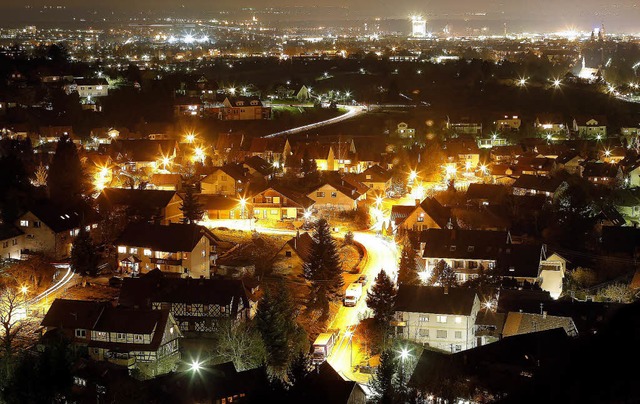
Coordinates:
452	248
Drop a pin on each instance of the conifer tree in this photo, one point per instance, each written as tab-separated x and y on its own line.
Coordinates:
381	299
383	381
191	209
323	269
407	268
84	259
66	181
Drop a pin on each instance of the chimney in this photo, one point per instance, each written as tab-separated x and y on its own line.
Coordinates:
295	240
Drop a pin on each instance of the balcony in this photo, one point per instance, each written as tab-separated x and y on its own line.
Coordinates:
166	261
121	359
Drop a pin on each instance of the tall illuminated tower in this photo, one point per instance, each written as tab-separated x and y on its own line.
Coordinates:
418	26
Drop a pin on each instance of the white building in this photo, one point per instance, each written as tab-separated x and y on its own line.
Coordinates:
418	27
440	317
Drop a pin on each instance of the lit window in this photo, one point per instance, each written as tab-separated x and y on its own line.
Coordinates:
458	320
94	226
319	194
24	223
424	318
122	249
334	194
147	252
133	250
441	319
87	228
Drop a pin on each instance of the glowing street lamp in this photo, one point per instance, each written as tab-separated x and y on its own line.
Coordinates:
404	354
607	153
522	82
24	289
195	366
306	215
378	201
232	90
450	170
467	165
199	154
243	205
413	175
190	138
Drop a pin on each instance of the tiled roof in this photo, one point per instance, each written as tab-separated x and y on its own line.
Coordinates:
60	219
175	237
436	300
143	200
302	244
524	323
538	183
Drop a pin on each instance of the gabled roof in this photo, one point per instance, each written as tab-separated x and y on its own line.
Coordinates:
259	164
91	82
341	186
230	141
524	323
166	179
302	245
142	200
600	169
61	219
359	186
294	196
436	300
174	237
400	212
156	287
377	174
567	156
463	244
8	231
73	314
235	171
440	214
325	385
519	260
537	183
581	120
491	192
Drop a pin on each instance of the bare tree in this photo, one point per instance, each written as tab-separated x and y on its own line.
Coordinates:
12	323
240	343
616	292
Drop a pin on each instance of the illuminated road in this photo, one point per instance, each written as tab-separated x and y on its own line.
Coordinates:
352	111
381	253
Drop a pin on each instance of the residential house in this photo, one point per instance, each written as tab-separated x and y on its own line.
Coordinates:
518	323
258	167
627	202
166	182
229	147
599	173
52	134
613	155
499	369
464	152
570	161
326	385
405	132
293	254
142	339
377	179
215	384
11	242
89	88
439	317
198	305
324	155
428	214
240	109
535	185
486	194
228	180
590	127
508	123
464	126
272	149
506	154
553	268
183	249
632	174
137	154
278	203
50	229
149	204
491	142
550	124
188	106
534	165
336	195
217	207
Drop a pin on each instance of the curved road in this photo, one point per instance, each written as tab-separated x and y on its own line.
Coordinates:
381	254
352	111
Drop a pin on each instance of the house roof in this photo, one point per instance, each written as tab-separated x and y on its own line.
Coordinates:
376	173
341	186
157	287
296	197
490	192
259	164
600	169
463	244
60	219
235	171
524	323
73	314
174	237
538	183
436	211
8	231
302	244
359	186
325	385
229	141
436	300
581	120
142	200
92	82
166	179
519	260
218	202
567	156
400	212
